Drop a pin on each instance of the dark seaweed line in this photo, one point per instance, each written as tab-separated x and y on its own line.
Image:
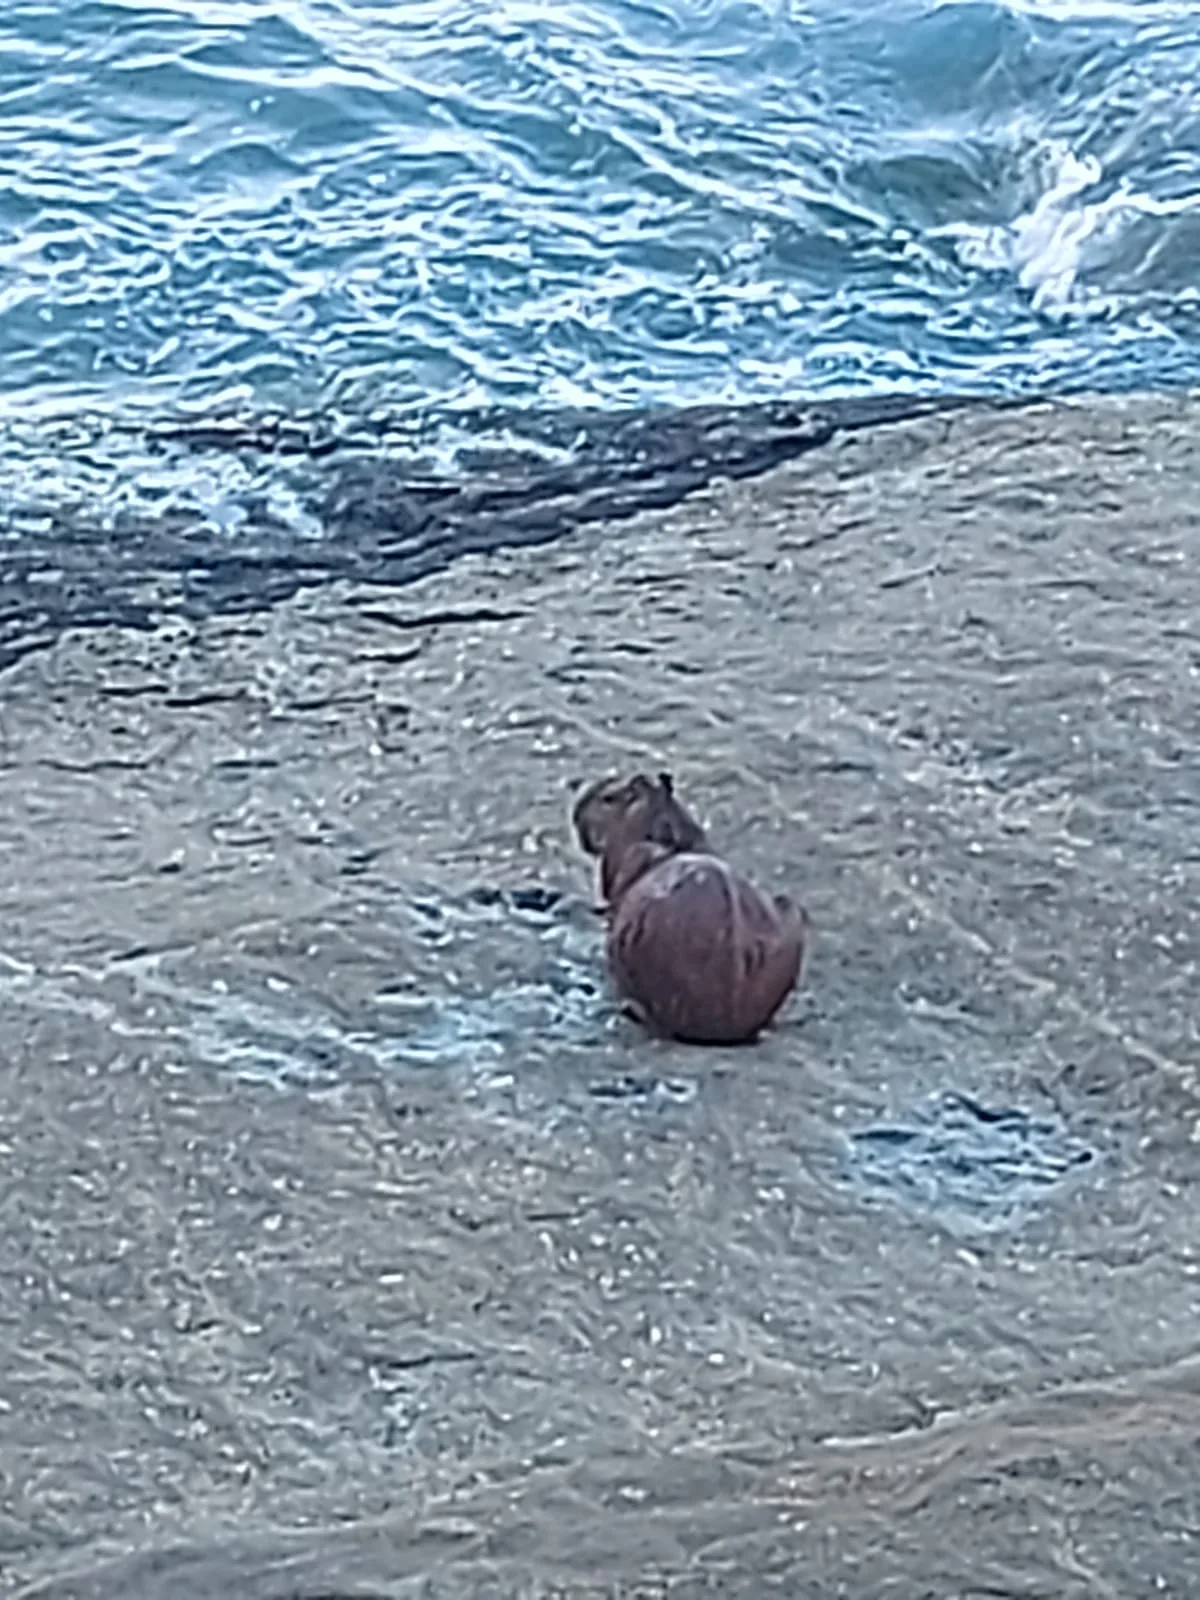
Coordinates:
390	525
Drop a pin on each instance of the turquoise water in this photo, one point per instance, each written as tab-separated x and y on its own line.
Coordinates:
357	205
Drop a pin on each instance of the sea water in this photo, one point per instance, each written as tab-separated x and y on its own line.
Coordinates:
357	206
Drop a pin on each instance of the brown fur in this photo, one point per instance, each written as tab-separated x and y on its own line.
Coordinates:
696	952
614	814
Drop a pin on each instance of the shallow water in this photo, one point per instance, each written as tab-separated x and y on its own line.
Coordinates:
348	207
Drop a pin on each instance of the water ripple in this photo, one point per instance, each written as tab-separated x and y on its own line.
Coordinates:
613	201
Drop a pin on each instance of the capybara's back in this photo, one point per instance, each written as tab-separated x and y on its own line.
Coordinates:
701	954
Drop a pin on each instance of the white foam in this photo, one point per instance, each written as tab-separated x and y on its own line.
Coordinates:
1139	12
1069	230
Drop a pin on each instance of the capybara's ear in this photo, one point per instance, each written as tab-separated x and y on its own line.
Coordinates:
666	783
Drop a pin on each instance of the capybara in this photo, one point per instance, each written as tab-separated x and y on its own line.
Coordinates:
696	952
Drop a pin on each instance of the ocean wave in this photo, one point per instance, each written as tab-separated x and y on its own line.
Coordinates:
359	206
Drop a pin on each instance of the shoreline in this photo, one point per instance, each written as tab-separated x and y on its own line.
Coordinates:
391	520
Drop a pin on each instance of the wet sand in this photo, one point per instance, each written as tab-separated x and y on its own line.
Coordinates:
352	1245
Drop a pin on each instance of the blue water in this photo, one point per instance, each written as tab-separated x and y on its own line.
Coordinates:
394	207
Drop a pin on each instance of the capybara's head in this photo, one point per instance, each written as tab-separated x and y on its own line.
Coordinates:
614	813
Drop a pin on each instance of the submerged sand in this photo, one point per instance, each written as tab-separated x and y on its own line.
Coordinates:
352	1245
